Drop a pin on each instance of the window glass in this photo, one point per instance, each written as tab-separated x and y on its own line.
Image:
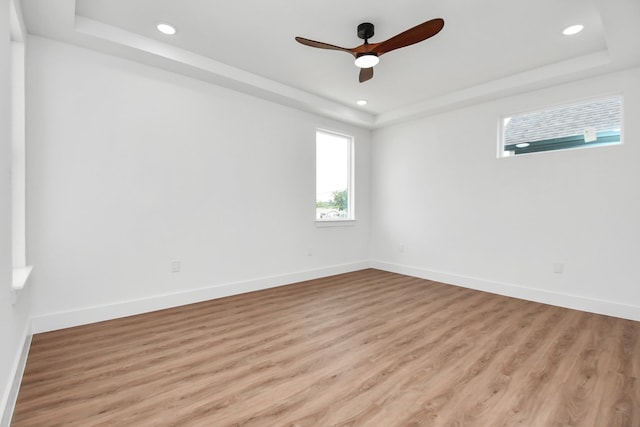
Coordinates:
334	195
586	124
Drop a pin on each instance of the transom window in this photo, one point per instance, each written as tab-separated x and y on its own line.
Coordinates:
586	124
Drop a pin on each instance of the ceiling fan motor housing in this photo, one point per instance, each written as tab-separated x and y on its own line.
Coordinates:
365	30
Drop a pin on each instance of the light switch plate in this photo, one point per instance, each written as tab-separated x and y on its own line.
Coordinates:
175	266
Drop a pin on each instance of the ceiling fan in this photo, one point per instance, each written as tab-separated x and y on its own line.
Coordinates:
367	54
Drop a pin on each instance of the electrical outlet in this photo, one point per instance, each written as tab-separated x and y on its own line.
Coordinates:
558	267
175	266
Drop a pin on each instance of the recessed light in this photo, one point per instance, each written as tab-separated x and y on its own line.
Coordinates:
165	28
362	102
574	29
522	145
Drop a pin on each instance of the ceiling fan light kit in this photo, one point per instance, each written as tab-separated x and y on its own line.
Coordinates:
368	54
366	60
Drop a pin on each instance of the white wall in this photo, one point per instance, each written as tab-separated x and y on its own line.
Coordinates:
132	167
13	318
444	207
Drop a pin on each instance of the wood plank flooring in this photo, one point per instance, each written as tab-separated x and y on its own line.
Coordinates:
368	348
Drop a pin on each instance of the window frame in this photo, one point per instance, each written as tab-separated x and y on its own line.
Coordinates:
565	143
20	270
351	211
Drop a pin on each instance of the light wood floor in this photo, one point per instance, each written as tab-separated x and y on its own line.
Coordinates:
361	349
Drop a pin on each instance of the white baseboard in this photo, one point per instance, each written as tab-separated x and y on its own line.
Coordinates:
10	394
67	319
577	302
94	314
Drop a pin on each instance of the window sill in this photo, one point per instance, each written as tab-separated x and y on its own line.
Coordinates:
20	277
336	223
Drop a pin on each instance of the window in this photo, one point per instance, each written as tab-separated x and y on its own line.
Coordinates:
587	124
334	176
21	270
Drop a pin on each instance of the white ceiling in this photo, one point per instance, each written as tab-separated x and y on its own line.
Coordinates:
487	49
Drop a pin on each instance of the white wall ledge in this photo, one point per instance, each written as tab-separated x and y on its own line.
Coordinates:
20	277
335	222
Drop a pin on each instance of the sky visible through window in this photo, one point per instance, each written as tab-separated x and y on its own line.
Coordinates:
332	163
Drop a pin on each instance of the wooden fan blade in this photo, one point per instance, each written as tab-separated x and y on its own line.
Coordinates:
365	74
411	36
322	45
